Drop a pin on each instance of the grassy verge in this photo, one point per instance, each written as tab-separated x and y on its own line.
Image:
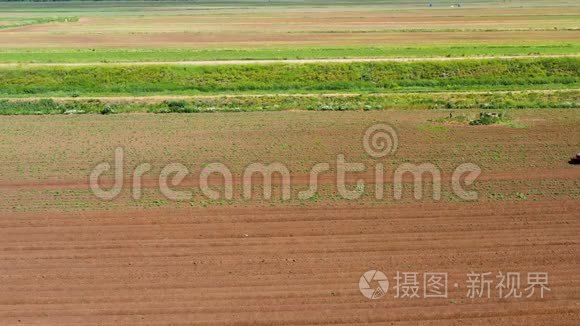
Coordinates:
36	21
565	99
424	76
168	55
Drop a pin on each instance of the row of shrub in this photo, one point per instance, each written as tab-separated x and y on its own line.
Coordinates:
49	106
562	99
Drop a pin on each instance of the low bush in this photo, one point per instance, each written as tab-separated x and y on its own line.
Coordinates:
489	118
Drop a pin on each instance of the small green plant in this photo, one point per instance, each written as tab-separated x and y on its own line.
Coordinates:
496	196
521	196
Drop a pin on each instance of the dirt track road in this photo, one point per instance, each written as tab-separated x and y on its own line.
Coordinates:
161	98
282	266
291	61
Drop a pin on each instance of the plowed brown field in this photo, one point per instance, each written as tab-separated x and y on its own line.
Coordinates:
67	258
283	265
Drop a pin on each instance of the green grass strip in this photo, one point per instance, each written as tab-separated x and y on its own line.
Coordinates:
423	76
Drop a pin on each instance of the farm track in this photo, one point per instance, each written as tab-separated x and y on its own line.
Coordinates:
289	61
159	98
291	266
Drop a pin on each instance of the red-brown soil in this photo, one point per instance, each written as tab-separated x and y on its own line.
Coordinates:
67	258
283	265
298	180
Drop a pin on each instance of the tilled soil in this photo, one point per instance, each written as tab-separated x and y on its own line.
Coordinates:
271	266
68	258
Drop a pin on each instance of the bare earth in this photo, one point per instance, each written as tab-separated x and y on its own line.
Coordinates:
290	266
68	259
